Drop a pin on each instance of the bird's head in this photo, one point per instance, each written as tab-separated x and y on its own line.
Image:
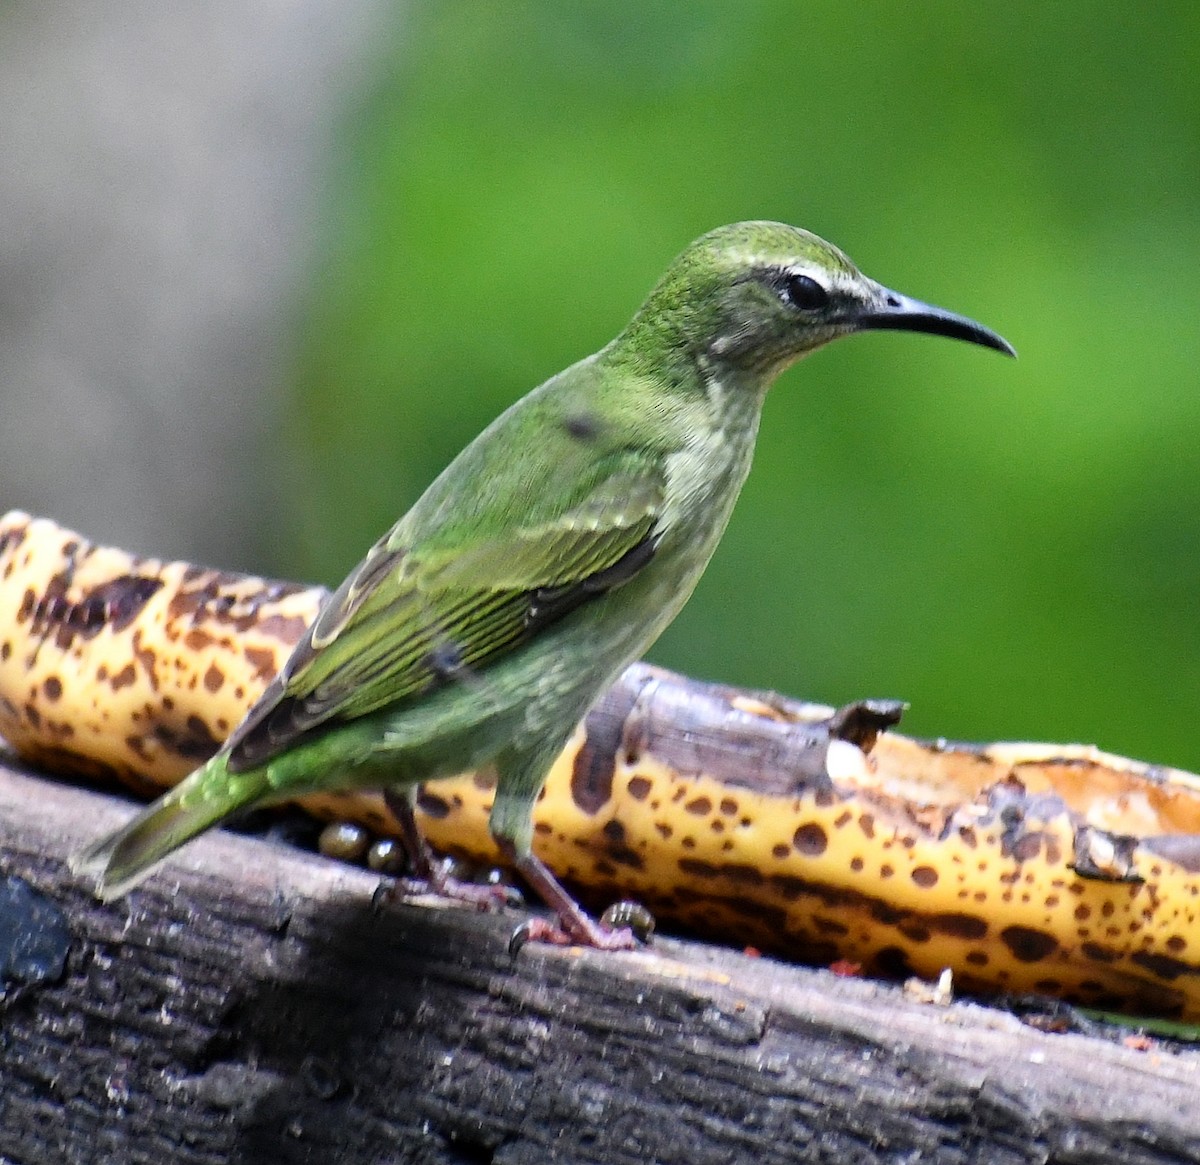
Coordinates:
756	296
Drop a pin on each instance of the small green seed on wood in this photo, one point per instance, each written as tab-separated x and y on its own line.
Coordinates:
387	856
345	841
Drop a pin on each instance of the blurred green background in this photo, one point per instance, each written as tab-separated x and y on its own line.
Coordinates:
264	269
1012	547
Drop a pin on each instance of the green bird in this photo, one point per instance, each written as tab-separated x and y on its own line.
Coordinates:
549	555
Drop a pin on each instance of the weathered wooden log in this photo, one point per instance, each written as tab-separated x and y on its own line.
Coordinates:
249	1005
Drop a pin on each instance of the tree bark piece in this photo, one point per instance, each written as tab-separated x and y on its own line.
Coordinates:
248	1005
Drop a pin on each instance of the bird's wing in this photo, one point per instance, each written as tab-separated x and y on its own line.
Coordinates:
416	614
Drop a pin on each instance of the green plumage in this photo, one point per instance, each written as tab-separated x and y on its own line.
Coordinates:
550	553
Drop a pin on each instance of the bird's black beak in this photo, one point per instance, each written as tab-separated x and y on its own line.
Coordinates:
895	312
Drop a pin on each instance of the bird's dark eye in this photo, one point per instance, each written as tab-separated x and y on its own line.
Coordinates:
804	292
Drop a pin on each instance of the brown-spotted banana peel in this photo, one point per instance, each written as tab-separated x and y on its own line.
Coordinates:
753	819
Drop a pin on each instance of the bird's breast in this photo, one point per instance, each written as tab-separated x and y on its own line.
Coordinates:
704	478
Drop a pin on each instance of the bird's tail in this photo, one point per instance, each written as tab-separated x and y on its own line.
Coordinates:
122	859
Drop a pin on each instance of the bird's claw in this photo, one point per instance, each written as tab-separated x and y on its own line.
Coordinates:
542	930
492	896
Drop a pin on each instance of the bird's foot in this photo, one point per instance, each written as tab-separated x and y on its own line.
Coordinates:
618	930
430	875
624	926
542	930
438	880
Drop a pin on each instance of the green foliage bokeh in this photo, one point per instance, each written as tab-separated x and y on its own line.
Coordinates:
1012	547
